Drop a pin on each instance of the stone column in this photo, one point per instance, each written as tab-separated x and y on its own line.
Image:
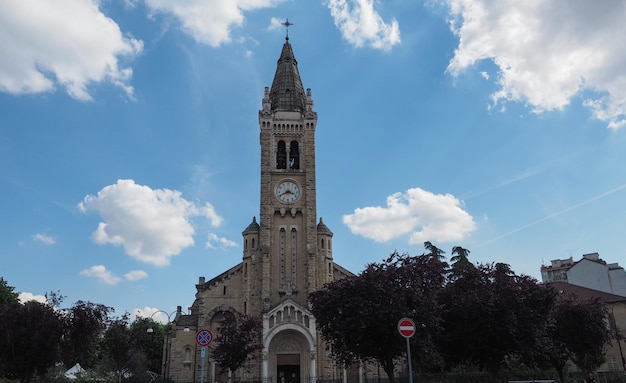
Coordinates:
265	366
312	368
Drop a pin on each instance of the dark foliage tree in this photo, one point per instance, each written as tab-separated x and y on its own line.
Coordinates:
423	278
532	304
239	338
481	315
460	261
577	331
30	339
465	315
358	316
588	343
85	322
490	313
7	295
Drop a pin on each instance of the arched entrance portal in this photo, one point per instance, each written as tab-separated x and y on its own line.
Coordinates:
288	368
289	357
289	344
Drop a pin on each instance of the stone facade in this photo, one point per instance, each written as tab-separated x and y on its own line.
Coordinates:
286	255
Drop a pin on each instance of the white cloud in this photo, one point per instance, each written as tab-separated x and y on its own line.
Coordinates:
27	297
101	273
360	24
154	314
275	23
45	239
422	214
209	211
153	225
214	241
209	21
135	275
548	52
71	45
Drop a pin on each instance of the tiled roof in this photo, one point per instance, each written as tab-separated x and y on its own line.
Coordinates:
253	227
287	92
322	228
584	293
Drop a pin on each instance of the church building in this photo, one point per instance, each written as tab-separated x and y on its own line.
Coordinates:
287	254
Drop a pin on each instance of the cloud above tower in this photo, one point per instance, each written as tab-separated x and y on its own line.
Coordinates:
361	25
209	21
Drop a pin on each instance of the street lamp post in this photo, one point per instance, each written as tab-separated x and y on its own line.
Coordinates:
167	343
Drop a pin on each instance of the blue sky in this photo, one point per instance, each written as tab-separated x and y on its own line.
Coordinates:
129	136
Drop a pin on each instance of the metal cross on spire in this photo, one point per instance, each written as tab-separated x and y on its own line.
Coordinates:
287	24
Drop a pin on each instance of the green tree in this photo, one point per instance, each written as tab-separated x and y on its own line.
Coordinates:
150	343
128	349
30	339
117	348
7	295
239	338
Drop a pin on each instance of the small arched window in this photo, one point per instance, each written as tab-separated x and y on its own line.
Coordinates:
322	243
187	359
281	155
294	155
253	244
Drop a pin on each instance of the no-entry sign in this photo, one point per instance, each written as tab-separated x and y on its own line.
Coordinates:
406	327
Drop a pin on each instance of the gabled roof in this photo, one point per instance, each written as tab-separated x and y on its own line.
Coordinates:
343	271
225	275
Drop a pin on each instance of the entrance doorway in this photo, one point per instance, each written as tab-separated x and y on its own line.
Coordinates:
288	368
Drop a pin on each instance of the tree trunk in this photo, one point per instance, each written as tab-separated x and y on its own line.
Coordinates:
388	367
559	371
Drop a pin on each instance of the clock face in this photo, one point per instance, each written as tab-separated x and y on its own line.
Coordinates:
287	191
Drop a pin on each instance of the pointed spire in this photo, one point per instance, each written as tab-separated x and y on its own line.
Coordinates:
287	92
253	227
322	228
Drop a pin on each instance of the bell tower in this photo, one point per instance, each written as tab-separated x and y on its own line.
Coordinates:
287	252
288	205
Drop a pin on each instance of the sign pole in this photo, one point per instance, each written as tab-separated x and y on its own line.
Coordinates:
408	353
406	328
203	339
203	356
